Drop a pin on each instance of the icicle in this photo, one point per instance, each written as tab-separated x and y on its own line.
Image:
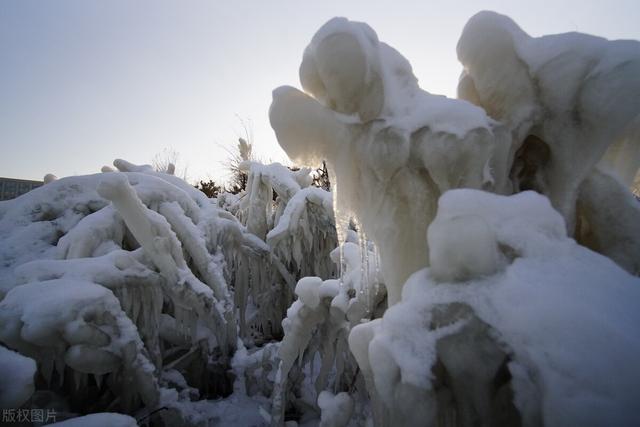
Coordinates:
377	276
98	379
84	381
161	244
341	347
77	380
46	368
363	292
59	368
193	326
341	224
278	402
135	305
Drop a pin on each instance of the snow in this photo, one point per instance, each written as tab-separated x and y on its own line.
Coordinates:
336	409
92	297
578	93
43	307
316	329
430	287
349	70
463	247
88	318
566	317
386	140
290	217
104	419
562	119
32	224
608	214
134	272
237	409
17	373
304	232
308	290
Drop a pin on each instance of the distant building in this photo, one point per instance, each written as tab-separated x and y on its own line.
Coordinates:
11	188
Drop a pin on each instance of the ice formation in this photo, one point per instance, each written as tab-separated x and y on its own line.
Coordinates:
428	288
386	140
132	287
554	327
572	104
79	324
88	285
17	373
336	410
296	222
316	329
474	338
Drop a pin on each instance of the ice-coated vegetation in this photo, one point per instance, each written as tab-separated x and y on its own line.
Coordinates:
130	288
387	141
502	319
571	104
475	263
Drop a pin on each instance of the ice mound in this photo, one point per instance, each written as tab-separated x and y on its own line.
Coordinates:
557	319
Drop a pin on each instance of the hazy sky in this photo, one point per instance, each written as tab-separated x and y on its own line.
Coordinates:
83	82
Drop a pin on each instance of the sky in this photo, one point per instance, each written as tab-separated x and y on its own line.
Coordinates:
83	82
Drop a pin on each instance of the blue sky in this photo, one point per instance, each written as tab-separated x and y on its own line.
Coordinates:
83	82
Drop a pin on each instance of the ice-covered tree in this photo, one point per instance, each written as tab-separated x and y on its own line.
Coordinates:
130	289
496	329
